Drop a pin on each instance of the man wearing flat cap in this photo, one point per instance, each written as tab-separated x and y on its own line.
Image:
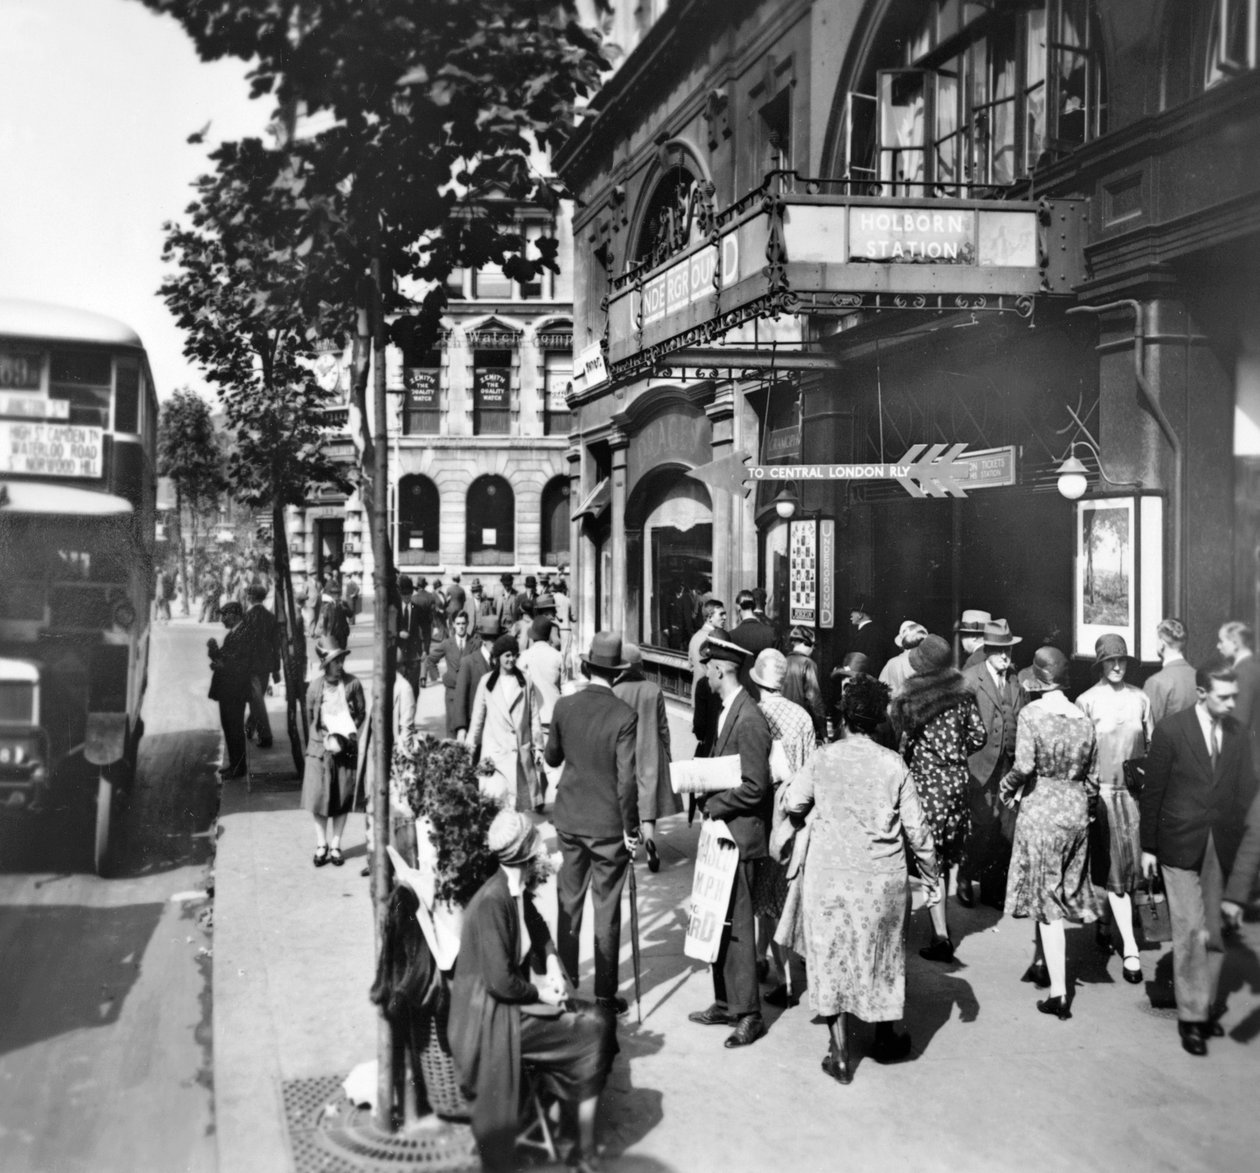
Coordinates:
742	731
1000	698
596	814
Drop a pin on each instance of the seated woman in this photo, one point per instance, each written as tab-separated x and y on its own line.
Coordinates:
500	1020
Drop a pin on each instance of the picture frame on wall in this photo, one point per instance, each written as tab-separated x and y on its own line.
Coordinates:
1118	585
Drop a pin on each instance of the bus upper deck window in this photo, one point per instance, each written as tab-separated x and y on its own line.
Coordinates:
84	378
127	397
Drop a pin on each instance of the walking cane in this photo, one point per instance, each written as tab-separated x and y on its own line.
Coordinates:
634	940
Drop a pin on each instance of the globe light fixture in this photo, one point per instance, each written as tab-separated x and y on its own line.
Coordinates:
785	504
1073	480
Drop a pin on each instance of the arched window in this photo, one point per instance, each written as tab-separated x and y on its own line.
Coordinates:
675	216
491	521
419	521
555	522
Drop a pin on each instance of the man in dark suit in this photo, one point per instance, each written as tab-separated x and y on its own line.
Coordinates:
410	624
472	667
452	652
424	601
753	636
596	813
1194	802
456	601
262	634
1237	643
999	696
868	637
1172	689
229	685
745	809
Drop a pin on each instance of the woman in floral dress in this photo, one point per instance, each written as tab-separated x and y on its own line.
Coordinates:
1123	726
865	810
938	725
1053	786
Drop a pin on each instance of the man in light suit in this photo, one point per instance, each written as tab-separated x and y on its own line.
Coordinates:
451	652
742	731
596	813
1194	802
472	667
1000	698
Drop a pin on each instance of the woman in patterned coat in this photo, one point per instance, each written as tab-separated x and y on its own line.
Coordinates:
938	726
1054	786
865	810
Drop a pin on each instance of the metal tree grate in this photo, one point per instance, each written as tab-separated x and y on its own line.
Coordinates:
328	1134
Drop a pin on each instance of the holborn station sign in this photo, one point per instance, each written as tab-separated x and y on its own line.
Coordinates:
822	253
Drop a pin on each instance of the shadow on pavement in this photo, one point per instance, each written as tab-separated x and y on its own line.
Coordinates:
56	990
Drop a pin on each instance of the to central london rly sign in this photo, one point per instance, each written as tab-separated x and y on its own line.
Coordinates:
818	254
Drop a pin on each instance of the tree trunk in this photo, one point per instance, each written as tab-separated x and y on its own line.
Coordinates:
292	634
183	558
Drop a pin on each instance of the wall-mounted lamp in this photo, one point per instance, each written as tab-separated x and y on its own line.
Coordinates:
1073	480
786	504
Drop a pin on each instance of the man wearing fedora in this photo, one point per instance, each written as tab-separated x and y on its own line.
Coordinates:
742	731
411	624
970	629
452	651
472	667
867	637
508	607
1199	785
596	813
1000	698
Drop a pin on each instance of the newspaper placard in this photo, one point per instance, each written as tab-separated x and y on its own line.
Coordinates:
704	775
717	857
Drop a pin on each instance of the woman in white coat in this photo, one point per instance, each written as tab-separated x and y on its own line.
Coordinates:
506	732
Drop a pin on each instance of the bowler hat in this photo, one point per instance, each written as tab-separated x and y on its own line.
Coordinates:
724	649
405	585
997	634
855	664
531	581
909	630
423	582
1110	647
930	656
1049	670
972	622
633	655
802	635
770	669
544	603
505	579
475	585
488	625
860	603
605	653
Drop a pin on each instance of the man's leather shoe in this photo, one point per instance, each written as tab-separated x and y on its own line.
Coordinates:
1192	1040
715	1015
747	1031
617	1004
1212	1029
941	949
780	998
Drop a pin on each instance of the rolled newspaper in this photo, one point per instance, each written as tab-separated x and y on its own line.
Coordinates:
704	775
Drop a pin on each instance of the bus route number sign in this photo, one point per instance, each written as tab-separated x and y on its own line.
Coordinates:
50	449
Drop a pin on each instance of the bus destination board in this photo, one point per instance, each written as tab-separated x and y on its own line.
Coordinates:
50	450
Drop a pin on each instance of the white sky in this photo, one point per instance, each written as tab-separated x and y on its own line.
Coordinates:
97	98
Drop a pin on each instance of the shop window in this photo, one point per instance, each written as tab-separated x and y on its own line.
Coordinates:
491	518
980	97
492	392
1233	40
676	549
422	410
555	522
419	521
557	379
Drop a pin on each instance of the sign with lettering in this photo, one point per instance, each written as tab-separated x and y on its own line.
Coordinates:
50	449
422	387
591	366
34	407
912	236
717	857
690	279
21	370
682	436
827	573
490	388
989	468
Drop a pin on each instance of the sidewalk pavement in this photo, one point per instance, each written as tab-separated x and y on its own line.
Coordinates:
992	1084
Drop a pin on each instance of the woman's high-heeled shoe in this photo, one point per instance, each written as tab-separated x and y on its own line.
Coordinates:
1038	974
653	858
838	1069
1058	1006
321	856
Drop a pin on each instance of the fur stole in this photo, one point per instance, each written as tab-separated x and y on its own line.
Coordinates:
927	697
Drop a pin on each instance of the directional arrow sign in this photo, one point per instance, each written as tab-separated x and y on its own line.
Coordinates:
729	473
938	469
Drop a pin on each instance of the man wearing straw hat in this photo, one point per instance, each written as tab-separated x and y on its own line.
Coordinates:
742	730
596	813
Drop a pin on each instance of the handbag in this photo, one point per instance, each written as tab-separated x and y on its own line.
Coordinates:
1153	917
1134	775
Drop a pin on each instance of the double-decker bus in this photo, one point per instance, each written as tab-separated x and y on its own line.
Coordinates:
78	432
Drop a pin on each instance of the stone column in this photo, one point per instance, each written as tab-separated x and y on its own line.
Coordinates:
721	413
618	442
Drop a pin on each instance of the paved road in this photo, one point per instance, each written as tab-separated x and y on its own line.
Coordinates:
105	984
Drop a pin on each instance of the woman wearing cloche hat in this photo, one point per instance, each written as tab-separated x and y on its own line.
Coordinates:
1052	785
1123	725
501	1019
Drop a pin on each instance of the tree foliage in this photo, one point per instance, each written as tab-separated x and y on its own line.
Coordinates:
188	450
